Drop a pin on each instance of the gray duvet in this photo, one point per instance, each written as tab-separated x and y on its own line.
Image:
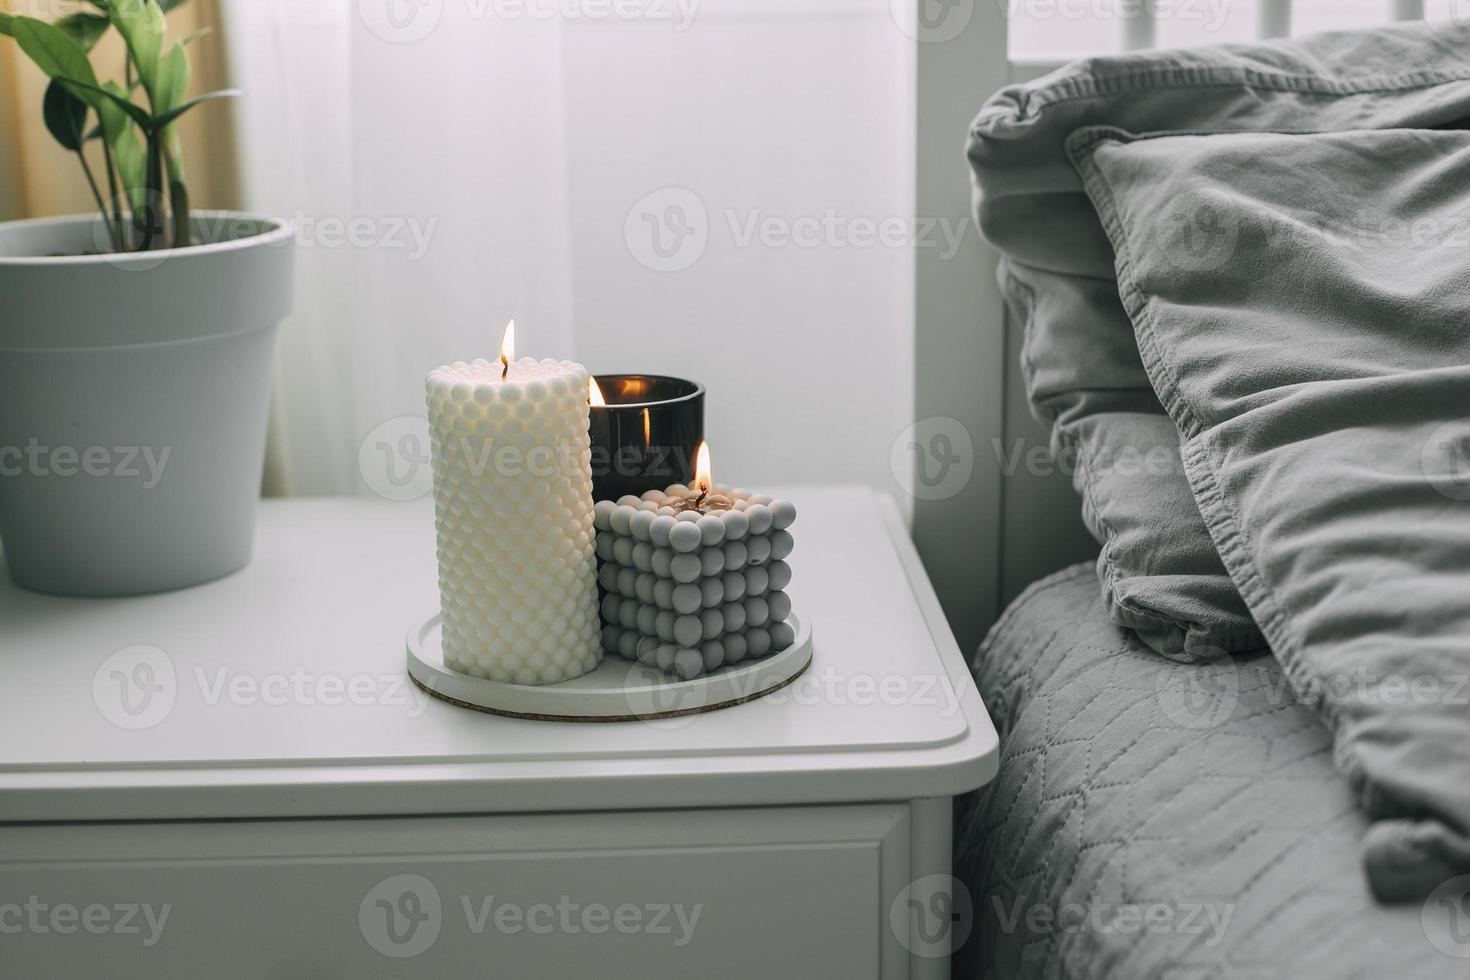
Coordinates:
1302	305
1155	820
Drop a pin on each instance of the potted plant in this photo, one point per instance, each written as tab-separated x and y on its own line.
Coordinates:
135	343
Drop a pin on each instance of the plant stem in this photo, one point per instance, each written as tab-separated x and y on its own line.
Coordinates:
153	232
119	229
97	196
178	199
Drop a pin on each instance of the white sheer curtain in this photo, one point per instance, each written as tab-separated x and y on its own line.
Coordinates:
502	159
423	174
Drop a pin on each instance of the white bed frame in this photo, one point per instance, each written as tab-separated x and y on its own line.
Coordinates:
983	545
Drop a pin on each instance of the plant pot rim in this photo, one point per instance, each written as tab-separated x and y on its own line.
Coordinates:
111	301
278	231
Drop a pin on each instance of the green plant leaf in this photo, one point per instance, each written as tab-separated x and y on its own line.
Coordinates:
65	115
127	149
173	82
96	131
57	55
142	26
112	95
177	111
174	75
84	28
7	24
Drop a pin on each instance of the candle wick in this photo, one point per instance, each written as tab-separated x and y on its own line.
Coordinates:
504	367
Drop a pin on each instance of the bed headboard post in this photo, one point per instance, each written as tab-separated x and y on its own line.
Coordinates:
960	358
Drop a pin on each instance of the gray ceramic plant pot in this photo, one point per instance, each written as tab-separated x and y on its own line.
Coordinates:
134	393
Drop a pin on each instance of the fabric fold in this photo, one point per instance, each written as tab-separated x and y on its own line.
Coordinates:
1302	307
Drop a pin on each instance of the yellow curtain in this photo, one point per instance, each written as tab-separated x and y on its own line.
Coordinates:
38	178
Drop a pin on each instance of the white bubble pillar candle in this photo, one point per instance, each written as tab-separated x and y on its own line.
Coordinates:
513	518
695	577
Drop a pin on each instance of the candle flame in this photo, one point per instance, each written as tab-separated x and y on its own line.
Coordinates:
703	479
647	429
507	349
594	394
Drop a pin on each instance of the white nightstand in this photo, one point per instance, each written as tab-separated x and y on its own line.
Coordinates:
249	756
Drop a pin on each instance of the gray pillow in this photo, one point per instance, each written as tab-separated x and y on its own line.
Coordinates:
1080	360
1160	574
1302	305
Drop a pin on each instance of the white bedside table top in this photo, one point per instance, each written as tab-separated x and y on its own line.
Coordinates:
280	691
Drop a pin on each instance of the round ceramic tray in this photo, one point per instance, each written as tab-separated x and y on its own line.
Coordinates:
617	690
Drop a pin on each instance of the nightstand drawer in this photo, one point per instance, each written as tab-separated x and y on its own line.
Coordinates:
800	892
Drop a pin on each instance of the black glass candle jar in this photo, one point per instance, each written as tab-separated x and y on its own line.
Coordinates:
647	435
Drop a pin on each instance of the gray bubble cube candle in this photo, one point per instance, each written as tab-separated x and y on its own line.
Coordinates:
695	578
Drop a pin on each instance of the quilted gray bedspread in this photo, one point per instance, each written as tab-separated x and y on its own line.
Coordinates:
1154	820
